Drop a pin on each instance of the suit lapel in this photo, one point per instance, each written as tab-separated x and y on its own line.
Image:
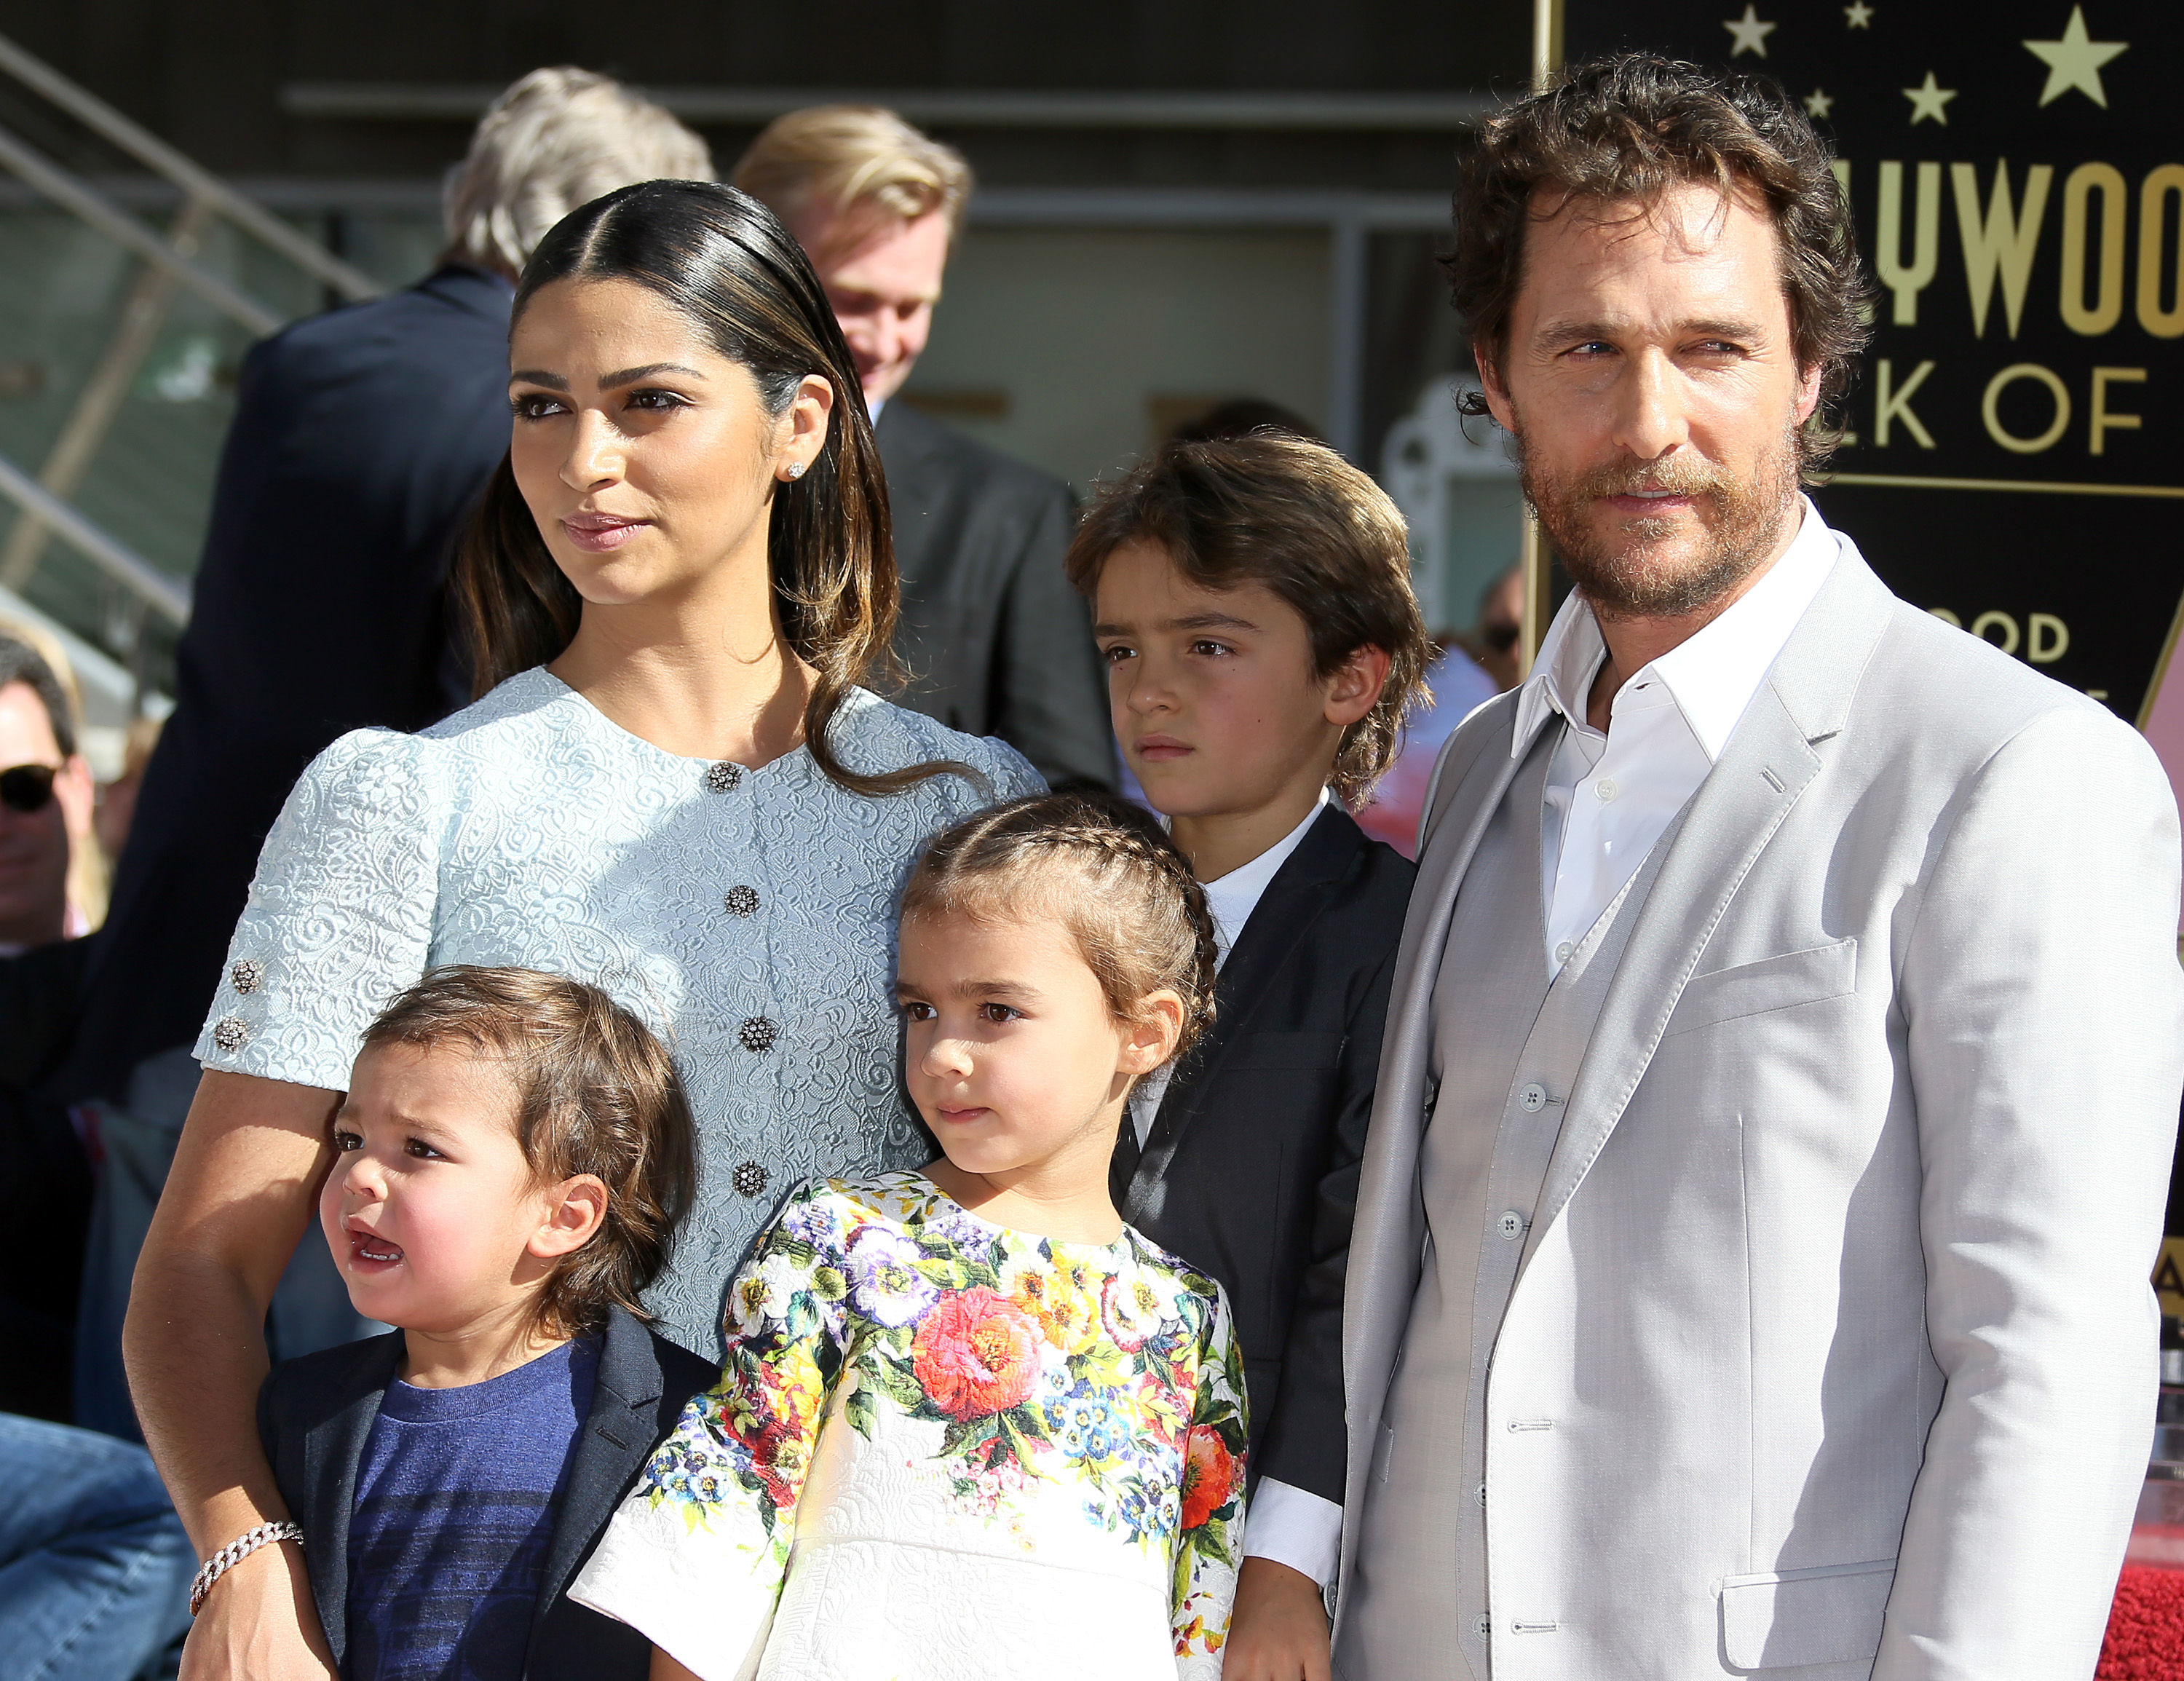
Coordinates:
617	1436
1473	777
333	1453
1286	912
1768	763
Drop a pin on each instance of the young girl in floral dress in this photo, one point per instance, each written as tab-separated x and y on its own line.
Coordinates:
971	1426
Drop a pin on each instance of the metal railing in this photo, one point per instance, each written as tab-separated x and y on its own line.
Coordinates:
170	267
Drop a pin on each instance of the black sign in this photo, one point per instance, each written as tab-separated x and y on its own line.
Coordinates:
2016	170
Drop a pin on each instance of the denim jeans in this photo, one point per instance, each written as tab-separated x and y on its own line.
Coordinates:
94	1567
310	1308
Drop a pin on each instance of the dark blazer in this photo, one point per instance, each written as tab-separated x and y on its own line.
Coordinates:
996	641
361	438
315	1414
45	1185
1250	1171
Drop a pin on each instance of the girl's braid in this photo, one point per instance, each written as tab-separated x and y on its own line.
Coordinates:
1166	857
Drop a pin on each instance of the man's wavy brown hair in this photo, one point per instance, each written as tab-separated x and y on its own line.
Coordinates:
1622	131
595	1092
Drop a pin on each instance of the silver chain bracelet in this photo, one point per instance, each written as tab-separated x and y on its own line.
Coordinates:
234	1553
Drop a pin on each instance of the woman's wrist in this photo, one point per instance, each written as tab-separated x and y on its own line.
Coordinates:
242	1547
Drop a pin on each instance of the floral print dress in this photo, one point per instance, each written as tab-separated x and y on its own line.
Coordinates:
944	1451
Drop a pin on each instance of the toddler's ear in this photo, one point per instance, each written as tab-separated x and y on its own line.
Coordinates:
575	1210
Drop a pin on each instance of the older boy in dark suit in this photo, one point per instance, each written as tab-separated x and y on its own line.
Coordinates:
1252	598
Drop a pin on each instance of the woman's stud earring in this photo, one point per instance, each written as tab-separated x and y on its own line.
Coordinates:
796	469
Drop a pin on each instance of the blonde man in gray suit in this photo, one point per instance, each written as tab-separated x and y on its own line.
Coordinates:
1750	1269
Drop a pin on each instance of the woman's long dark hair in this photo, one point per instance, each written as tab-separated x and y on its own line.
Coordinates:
723	260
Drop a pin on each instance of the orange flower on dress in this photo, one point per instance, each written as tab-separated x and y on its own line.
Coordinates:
976	1353
1209	1477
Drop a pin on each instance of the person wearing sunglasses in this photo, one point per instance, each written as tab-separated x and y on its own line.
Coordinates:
46	796
44	1175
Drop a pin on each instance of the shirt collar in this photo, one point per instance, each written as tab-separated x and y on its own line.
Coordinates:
1713	674
1234	897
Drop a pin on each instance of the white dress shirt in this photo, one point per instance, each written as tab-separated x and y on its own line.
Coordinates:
1609	797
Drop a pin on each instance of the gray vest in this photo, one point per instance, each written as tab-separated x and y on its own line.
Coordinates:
1507	1049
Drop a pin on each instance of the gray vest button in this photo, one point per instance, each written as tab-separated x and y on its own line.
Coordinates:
1533	1098
1511	1225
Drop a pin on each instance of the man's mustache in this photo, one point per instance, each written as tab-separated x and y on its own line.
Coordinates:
1677	478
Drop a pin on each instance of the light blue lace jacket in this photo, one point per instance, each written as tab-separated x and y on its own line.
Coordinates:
749	915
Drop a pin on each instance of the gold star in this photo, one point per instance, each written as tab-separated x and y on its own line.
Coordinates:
1927	100
1818	103
1751	34
1859	14
2074	62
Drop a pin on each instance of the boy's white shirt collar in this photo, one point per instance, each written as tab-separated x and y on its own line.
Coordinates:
1713	675
1231	899
1234	897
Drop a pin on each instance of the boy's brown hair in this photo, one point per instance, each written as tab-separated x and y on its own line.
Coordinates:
1294	516
595	1092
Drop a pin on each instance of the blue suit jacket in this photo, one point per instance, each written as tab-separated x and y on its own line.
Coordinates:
361	439
314	1416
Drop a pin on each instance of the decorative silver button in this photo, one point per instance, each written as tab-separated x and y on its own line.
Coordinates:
1532	1098
723	777
1511	1225
229	1032
247	976
748	1178
758	1034
741	901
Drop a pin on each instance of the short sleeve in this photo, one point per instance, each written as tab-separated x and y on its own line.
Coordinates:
695	1557
1209	1546
339	919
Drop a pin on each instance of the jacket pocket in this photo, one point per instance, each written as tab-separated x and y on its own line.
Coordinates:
1828	1614
1772	983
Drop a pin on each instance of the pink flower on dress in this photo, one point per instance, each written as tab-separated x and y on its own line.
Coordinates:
976	1354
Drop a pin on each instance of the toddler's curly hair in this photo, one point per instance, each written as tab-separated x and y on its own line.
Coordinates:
595	1092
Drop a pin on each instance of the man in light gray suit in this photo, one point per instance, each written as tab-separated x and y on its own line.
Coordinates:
1751	1261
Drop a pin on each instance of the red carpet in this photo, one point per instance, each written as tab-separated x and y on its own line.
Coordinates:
2145	1629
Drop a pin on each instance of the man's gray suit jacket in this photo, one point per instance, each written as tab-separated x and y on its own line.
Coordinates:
1835	1305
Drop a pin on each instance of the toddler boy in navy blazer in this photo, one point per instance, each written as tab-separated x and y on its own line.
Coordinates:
513	1156
1252	598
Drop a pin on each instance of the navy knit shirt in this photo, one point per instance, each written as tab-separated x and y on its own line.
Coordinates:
455	1502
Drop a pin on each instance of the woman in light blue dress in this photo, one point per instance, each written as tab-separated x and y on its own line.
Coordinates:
672	785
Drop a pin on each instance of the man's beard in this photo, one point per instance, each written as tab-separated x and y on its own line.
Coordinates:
1620	573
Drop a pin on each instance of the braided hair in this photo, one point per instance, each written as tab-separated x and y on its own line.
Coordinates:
1107	870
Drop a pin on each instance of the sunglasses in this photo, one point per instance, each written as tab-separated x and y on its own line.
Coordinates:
27	788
